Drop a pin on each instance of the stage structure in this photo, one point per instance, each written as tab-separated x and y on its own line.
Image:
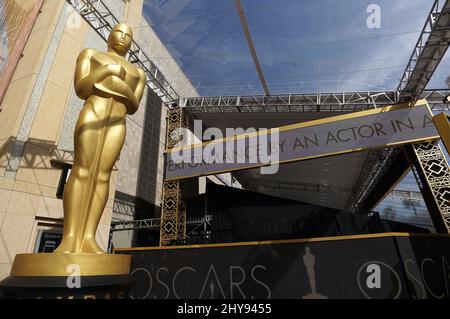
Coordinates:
428	160
381	127
403	254
382	168
426	56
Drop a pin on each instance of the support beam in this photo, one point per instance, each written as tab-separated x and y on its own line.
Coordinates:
429	164
307	102
430	48
429	51
251	46
151	223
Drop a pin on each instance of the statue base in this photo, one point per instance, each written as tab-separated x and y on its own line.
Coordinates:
314	296
72	276
91	287
65	264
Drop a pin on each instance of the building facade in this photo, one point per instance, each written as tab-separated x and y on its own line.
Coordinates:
40	42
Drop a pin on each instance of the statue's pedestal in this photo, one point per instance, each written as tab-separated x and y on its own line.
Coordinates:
92	287
71	276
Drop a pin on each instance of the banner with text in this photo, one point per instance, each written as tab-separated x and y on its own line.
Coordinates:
372	266
382	127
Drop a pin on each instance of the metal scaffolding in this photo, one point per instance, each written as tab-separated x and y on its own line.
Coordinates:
251	46
200	225
430	49
431	46
102	20
314	102
125	225
151	223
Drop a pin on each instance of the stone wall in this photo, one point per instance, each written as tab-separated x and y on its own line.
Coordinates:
37	120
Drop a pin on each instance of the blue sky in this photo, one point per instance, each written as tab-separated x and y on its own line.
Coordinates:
303	46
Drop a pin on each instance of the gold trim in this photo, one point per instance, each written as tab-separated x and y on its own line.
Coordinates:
287	241
58	264
443	126
306	124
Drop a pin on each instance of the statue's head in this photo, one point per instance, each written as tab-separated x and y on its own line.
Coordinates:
120	39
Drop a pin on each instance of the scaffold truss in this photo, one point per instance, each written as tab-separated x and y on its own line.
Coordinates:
125	225
150	223
430	48
315	102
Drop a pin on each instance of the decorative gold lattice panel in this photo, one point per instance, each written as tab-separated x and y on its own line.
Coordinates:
173	216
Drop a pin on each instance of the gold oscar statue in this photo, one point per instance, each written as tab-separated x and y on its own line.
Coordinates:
112	87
